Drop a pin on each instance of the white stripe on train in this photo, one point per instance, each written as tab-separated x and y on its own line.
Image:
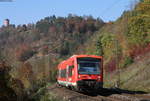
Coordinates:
66	83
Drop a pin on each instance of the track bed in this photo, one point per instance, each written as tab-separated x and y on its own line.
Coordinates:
106	95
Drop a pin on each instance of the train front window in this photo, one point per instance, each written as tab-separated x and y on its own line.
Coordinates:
88	67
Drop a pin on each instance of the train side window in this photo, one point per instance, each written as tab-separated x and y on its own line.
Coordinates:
59	73
70	71
63	73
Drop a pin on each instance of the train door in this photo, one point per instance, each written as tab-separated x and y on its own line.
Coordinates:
67	73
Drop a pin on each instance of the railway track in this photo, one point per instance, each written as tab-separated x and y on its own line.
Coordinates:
108	95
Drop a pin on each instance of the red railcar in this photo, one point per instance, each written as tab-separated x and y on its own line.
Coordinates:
81	72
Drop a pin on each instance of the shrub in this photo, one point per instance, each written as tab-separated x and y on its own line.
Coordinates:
24	53
53	74
127	61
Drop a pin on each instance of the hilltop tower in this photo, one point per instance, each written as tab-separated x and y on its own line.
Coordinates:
6	22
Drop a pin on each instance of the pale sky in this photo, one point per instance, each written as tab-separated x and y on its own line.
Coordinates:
30	11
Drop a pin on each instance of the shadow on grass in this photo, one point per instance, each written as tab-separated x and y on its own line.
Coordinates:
110	91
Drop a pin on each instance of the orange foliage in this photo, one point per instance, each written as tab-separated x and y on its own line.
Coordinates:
139	51
26	70
24	52
111	66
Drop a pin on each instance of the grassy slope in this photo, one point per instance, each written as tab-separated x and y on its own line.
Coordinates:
135	77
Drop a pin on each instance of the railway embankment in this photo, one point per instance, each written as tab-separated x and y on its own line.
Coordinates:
136	77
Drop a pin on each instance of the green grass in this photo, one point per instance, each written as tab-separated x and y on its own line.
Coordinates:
136	77
49	97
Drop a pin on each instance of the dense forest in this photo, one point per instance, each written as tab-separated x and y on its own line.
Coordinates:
58	35
33	51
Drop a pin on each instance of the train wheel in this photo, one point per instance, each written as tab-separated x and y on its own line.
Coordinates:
72	88
77	88
58	85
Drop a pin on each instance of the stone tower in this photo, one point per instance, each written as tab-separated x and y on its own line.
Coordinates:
6	22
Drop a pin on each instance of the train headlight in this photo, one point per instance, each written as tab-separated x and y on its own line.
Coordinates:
99	77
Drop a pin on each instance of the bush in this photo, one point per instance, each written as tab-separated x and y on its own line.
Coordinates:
24	53
127	61
53	74
43	95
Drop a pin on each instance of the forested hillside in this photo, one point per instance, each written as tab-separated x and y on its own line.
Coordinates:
125	43
33	51
124	40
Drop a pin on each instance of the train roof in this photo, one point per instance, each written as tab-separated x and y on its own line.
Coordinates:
80	56
77	56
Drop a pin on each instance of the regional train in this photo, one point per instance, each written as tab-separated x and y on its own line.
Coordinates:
81	72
